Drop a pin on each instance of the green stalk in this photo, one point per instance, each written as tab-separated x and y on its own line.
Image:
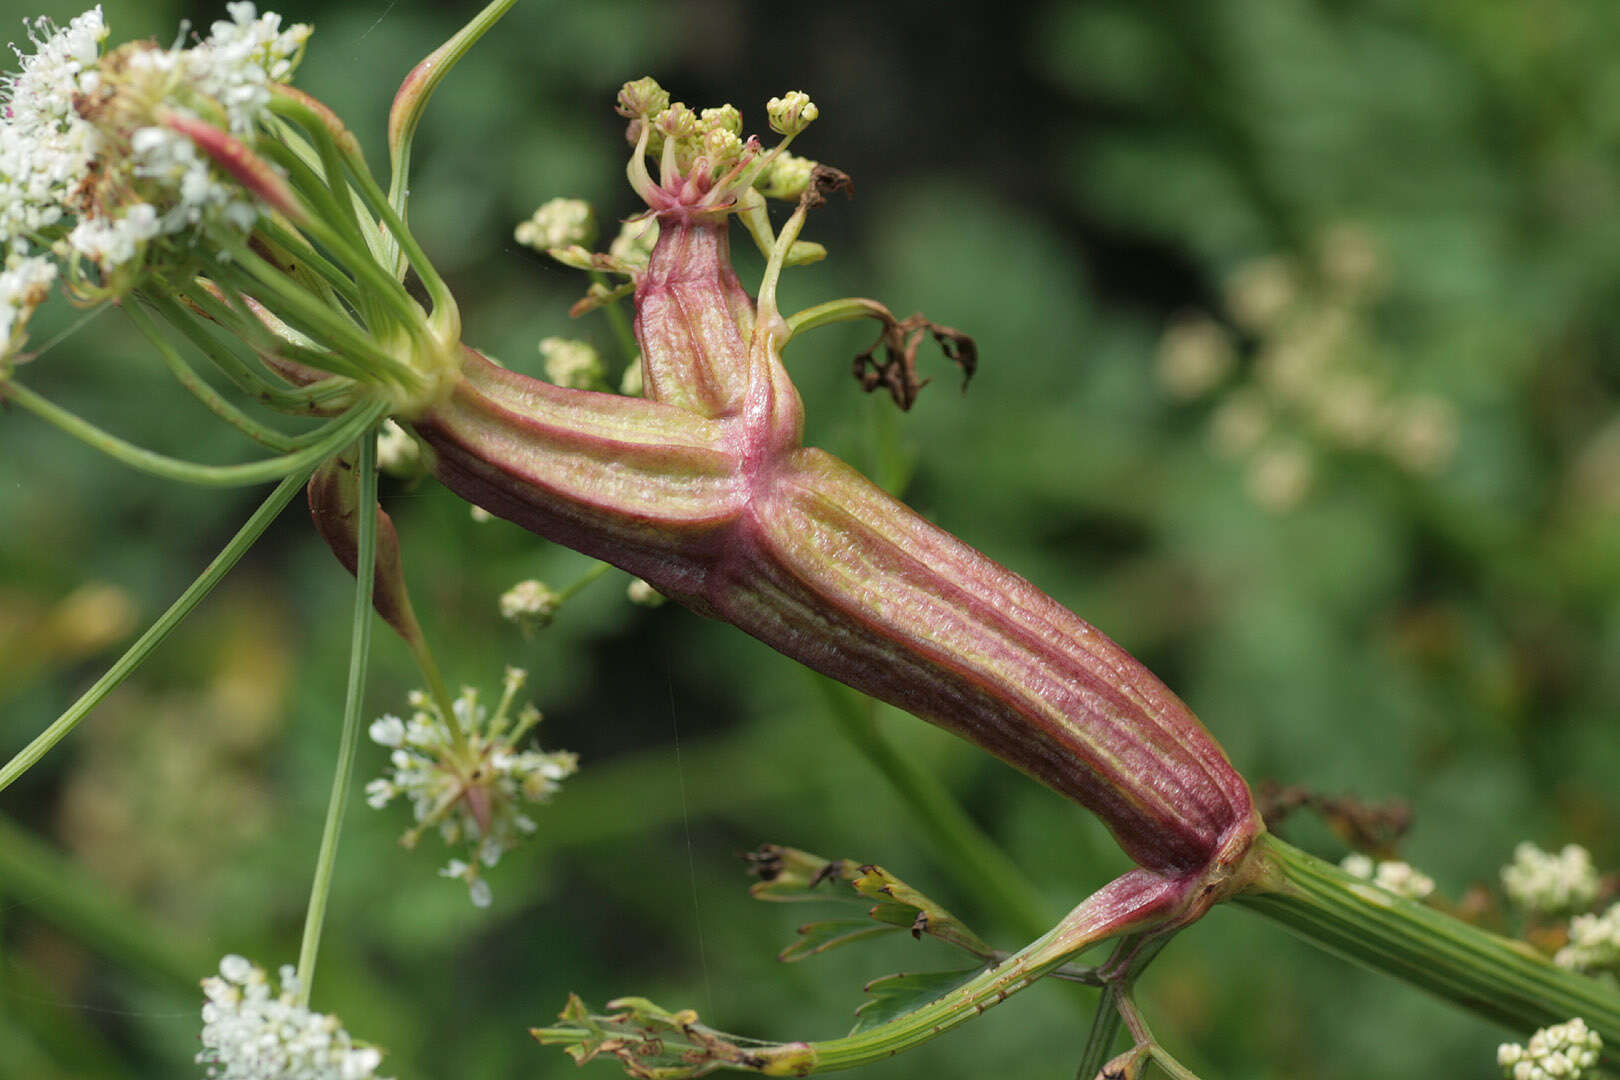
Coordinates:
189	472
1492	976
619	321
359	654
199	388
410	102
244	377
1101	1037
138	652
331	273
312	317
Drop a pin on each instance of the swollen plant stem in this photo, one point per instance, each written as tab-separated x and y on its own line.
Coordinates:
359	654
138	652
1492	976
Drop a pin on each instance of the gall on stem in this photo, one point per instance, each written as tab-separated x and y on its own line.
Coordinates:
704	490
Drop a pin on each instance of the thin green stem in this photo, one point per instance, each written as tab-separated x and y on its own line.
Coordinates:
413	97
338	433
773	266
199	388
593	574
1101	1037
328	271
619	321
836	311
343	775
1492	976
977	863
138	652
314	318
243	376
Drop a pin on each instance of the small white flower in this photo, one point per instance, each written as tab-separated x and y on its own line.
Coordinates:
1594	943
1357	865
643	594
1547	884
558	223
398	454
1396	877
256	1030
388	730
530	603
469	783
24	285
572	363
1402	880
1561	1052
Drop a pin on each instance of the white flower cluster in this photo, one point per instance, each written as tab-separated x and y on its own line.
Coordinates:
1561	1052
45	148
253	1030
572	363
1594	943
469	782
83	139
24	285
558	223
531	604
1397	877
1548	884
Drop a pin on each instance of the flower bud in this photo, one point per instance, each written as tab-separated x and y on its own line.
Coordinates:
791	113
642	97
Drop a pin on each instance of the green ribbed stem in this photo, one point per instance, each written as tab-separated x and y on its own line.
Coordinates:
354	701
1487	974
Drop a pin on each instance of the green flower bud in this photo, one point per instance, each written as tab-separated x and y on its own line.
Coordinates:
642	97
791	113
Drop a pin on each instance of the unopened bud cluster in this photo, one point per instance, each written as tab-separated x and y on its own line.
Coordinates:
467	776
254	1029
1561	1052
558	223
1544	883
532	604
1397	877
1594	943
571	363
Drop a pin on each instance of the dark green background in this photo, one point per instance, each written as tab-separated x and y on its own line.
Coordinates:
1060	180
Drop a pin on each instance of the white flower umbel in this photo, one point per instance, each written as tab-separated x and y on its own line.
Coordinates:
1594	943
256	1030
45	147
1561	1052
471	781
1546	884
92	166
558	223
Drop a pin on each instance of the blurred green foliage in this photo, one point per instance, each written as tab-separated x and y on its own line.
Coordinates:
1425	612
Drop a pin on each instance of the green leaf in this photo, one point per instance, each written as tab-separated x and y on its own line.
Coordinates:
895	995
